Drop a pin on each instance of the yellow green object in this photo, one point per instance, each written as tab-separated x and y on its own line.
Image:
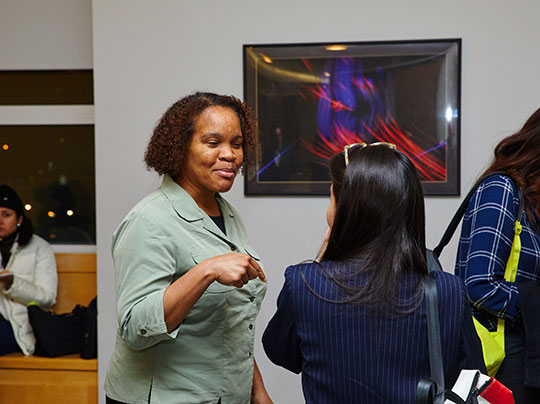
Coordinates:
493	341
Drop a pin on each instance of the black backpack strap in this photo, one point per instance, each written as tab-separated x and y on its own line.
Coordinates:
454	223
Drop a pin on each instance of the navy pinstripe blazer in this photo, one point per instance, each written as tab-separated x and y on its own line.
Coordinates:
349	355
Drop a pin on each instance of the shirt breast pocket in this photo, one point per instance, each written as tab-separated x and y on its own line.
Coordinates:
215	287
249	250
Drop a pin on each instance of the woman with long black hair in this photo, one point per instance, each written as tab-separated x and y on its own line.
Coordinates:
354	324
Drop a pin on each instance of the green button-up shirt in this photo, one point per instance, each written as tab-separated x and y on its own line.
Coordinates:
210	355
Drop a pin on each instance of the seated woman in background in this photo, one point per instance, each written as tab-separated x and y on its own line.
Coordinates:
354	323
27	273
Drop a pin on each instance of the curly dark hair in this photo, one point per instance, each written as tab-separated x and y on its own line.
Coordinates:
167	150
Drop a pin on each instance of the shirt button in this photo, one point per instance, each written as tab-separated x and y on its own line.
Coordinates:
143	331
251	298
251	326
233	248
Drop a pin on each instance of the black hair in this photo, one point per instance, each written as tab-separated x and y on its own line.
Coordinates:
379	228
26	230
11	200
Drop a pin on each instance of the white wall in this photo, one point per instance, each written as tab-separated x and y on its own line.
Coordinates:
51	34
146	54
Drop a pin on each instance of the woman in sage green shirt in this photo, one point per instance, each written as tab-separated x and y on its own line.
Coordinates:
188	283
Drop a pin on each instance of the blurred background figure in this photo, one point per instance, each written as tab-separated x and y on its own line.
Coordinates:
28	273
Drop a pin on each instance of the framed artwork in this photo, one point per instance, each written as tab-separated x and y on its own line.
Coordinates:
313	99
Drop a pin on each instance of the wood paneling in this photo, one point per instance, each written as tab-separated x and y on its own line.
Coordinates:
67	379
24	386
67	362
76	281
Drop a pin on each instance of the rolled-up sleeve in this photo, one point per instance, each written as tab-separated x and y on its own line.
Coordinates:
145	264
280	340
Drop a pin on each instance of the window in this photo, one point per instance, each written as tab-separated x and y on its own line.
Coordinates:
47	150
46	87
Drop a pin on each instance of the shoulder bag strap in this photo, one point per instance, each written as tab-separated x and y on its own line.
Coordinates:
510	271
513	259
433	390
454	223
434	337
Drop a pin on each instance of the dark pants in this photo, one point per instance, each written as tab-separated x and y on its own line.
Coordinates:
7	339
511	373
111	401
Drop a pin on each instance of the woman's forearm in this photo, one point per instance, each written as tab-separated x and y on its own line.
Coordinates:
259	395
180	296
232	269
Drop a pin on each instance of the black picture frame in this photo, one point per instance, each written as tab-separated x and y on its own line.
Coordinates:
311	99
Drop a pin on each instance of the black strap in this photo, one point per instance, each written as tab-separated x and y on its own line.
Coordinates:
454	223
434	336
449	395
426	390
433	262
431	390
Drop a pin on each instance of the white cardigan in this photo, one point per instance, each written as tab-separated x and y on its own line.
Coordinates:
34	279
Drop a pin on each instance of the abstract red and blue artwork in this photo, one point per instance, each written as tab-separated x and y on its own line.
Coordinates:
311	100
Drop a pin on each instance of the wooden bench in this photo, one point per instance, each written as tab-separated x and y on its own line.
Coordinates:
66	379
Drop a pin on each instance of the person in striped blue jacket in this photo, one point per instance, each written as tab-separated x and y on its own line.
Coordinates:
354	323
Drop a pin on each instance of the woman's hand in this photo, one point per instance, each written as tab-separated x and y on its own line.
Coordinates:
235	269
6	279
232	269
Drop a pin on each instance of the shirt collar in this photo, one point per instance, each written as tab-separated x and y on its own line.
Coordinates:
183	203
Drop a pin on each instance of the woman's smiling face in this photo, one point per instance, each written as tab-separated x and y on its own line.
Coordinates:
215	153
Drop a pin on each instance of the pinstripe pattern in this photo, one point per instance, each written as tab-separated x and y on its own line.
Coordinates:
484	247
349	355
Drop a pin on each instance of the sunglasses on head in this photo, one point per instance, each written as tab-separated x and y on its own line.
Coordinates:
361	145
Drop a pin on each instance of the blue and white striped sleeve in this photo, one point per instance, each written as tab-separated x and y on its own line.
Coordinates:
491	219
